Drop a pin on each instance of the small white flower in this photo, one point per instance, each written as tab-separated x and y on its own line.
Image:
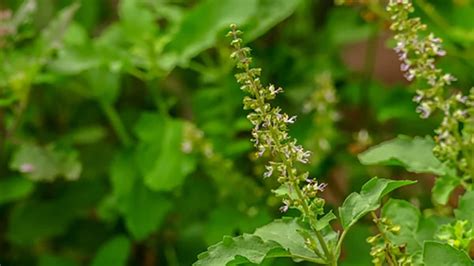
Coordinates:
290	120
461	98
269	171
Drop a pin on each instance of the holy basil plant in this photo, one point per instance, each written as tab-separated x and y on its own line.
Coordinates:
406	236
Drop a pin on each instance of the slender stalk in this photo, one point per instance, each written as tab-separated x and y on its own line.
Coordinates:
271	130
116	123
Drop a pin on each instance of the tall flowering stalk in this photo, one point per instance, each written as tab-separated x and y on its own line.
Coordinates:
418	54
270	135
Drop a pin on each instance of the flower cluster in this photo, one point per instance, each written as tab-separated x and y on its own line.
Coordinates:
459	235
270	135
418	54
322	103
383	250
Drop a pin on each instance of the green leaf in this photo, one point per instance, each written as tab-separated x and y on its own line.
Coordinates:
160	159
269	13
237	250
200	27
280	238
465	210
136	19
226	219
37	219
52	35
123	174
114	252
287	233
357	205
14	188
325	220
407	216
441	254
414	154
46	163
104	84
443	187
144	210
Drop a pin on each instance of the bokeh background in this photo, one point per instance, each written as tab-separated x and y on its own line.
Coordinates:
122	135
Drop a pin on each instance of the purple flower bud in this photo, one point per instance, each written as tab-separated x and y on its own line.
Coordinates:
409	75
27	168
404	67
322	186
441	52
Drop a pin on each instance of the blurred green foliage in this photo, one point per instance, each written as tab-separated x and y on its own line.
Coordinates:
122	135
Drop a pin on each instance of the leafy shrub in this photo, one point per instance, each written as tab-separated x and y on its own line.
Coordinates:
123	140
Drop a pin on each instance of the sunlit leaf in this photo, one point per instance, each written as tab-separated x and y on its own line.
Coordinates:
238	250
160	158
414	154
357	205
46	163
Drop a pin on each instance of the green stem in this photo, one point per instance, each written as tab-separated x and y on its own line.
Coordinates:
116	123
312	219
293	179
306	211
341	240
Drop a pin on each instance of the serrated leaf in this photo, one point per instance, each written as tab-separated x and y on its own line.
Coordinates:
200	27
414	154
14	188
237	250
465	210
113	252
46	163
286	232
160	158
443	187
357	205
441	254
280	238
